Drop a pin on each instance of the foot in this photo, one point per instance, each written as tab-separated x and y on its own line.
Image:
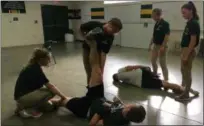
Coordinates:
24	114
36	114
165	82
183	97
166	89
195	93
178	90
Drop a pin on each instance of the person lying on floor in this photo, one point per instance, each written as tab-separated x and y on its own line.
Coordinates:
29	92
100	111
143	77
94	107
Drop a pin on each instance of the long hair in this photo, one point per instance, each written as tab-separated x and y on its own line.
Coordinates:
38	54
190	6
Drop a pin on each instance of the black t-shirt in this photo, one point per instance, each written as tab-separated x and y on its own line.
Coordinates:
30	79
192	28
111	116
104	41
161	29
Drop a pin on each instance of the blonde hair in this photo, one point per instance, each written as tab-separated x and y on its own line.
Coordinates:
38	54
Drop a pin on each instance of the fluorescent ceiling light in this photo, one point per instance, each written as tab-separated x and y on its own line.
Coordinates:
115	2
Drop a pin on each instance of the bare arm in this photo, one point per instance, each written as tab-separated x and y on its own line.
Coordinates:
151	42
55	90
166	39
191	45
94	120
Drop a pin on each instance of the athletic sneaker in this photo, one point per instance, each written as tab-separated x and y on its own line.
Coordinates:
195	93
183	98
25	114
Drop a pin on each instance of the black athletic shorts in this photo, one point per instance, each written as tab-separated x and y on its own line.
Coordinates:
85	46
148	81
80	105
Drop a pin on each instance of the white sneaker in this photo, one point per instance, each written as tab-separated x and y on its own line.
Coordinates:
23	114
34	114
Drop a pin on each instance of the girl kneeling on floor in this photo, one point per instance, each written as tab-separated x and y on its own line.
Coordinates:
33	90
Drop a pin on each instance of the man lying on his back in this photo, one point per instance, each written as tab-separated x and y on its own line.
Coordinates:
96	108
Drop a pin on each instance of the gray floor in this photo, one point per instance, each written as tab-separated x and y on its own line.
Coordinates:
68	74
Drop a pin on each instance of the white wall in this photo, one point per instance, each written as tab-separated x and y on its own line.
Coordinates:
25	31
86	6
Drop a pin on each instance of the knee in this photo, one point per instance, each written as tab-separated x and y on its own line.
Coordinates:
153	60
163	65
183	68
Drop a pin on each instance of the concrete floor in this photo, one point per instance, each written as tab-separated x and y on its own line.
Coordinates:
68	74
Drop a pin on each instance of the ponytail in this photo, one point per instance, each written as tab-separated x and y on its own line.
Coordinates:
190	6
195	15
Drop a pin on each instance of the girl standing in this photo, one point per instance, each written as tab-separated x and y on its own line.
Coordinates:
159	41
189	42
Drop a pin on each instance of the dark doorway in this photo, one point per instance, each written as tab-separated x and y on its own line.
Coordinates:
55	22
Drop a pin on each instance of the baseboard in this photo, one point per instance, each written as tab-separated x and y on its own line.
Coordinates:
78	40
21	46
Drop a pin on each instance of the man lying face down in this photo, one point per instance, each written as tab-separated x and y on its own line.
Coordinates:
96	108
143	77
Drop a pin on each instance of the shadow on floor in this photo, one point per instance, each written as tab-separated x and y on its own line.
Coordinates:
144	94
48	118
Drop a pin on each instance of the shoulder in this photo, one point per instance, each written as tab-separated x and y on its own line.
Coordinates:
95	22
35	68
91	23
111	37
30	70
193	22
31	67
165	22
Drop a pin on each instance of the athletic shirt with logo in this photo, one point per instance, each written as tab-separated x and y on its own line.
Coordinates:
111	116
161	28
192	28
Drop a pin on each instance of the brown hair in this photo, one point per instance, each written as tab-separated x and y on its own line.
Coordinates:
190	6
157	11
38	54
116	22
136	114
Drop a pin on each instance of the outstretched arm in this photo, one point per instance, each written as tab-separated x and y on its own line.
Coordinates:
55	90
